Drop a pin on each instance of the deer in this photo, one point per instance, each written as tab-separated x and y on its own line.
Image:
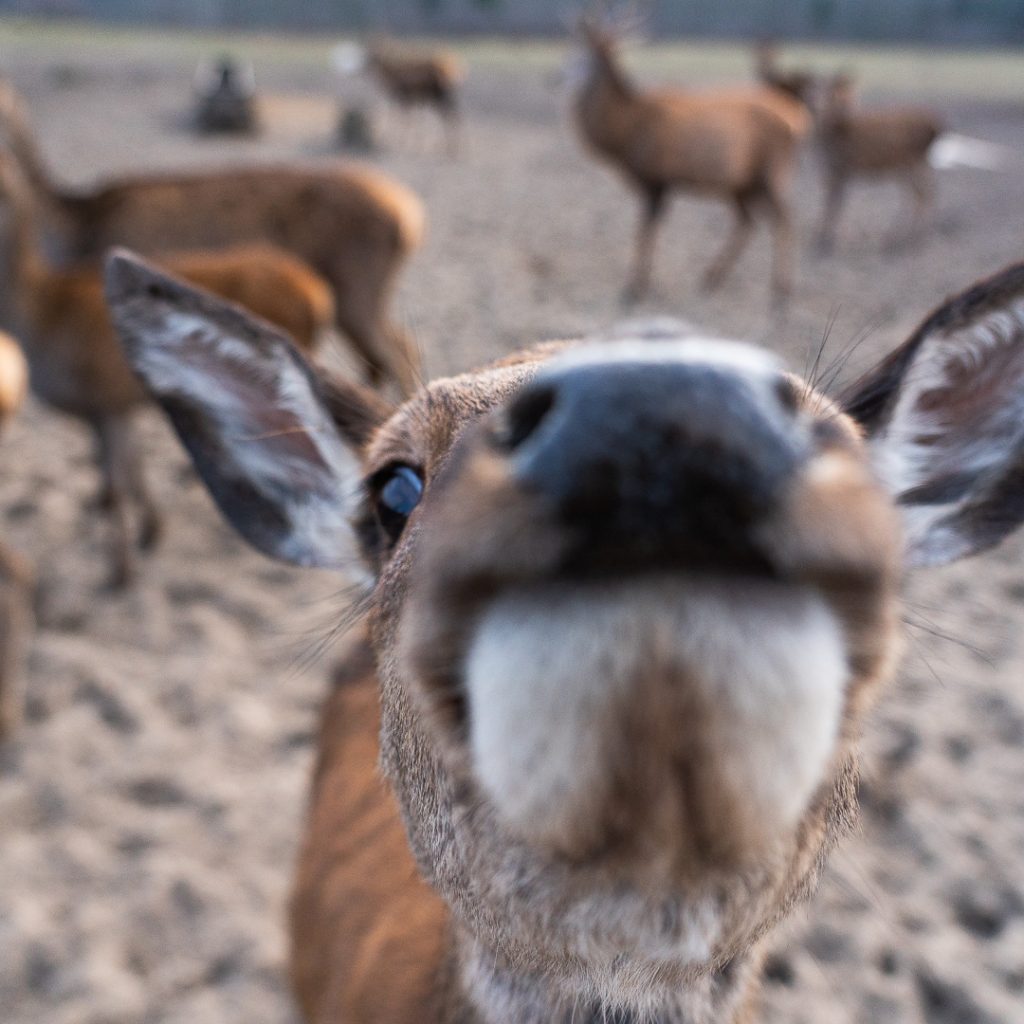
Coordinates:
738	145
355	226
894	142
410	78
16	575
797	83
76	363
625	607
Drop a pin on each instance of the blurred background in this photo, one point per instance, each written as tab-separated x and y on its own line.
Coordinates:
934	21
151	796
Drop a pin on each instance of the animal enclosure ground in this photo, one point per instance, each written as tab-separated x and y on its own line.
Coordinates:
151	806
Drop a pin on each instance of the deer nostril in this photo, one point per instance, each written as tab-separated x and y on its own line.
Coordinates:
787	391
525	414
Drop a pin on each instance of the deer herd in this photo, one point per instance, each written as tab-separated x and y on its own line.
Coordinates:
629	599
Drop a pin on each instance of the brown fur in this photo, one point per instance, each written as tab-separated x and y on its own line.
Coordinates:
78	365
796	83
873	143
479	529
653	905
413	78
736	145
356	227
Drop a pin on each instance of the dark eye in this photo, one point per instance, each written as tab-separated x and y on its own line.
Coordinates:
399	490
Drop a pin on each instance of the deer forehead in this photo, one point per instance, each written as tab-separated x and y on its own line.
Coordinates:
425	428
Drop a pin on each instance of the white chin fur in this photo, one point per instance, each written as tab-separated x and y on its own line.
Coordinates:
548	671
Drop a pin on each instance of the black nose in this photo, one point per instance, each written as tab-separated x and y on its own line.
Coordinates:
656	461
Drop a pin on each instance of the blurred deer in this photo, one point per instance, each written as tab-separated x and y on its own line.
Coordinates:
77	365
16	575
856	143
797	83
629	603
739	146
355	227
412	78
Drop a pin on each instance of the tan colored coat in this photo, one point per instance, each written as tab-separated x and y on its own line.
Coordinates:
355	226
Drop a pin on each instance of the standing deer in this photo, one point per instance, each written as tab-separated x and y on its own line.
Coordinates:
421	79
739	146
870	144
356	227
629	603
77	365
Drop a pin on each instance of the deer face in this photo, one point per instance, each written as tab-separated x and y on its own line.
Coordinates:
629	599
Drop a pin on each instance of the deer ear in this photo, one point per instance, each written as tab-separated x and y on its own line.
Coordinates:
944	416
263	432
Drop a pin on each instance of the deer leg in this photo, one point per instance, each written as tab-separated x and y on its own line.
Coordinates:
385	352
16	567
450	118
734	244
922	187
654	208
782	257
111	435
151	526
15	629
835	189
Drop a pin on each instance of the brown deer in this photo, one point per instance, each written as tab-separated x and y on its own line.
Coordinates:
628	604
870	144
77	365
420	78
16	575
737	145
355	227
797	83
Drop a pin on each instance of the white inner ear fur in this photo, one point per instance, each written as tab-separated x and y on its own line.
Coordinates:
188	356
548	670
906	454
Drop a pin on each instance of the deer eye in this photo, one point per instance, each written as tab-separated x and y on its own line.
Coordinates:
399	489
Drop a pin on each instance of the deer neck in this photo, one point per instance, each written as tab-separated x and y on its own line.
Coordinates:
606	104
26	277
54	207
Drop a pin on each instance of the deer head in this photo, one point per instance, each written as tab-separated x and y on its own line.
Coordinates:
629	601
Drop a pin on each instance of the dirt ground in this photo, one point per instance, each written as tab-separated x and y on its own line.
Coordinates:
151	806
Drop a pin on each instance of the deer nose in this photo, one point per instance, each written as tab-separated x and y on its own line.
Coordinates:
656	460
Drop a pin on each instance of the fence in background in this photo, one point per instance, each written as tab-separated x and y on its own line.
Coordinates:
951	21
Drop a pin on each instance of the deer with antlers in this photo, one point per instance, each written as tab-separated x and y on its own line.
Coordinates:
628	605
737	145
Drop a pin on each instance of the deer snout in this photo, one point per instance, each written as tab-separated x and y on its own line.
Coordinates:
645	462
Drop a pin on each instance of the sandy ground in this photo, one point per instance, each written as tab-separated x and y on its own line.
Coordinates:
151	806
